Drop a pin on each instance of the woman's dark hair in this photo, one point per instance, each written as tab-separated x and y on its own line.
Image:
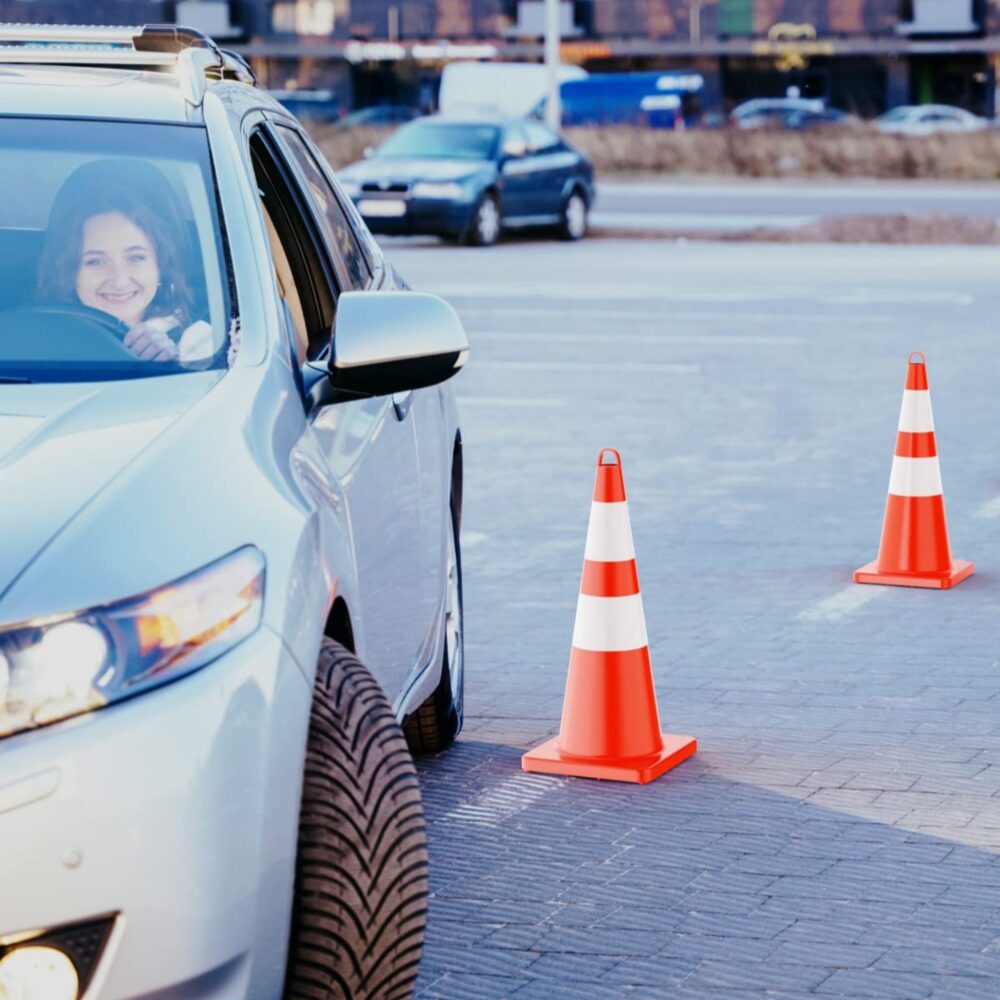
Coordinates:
140	192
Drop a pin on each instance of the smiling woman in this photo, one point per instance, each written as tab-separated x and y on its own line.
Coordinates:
128	269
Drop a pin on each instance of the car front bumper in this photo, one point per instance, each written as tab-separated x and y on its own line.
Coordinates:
421	217
176	812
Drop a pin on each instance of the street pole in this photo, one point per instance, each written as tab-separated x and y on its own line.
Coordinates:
553	105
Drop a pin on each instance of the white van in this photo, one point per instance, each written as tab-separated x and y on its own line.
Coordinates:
508	90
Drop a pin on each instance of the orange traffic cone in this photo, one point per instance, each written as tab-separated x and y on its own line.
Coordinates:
914	551
610	727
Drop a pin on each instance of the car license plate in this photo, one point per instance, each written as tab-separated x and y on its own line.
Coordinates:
382	208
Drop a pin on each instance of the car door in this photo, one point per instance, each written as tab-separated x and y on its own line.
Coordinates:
516	171
552	166
369	444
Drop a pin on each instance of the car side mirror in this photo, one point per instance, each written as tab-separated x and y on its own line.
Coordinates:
386	342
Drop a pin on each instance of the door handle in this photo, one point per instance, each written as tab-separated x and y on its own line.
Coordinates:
401	403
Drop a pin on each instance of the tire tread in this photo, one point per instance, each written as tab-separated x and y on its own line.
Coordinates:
361	872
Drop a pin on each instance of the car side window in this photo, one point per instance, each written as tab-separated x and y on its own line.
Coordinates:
340	237
307	288
515	141
540	138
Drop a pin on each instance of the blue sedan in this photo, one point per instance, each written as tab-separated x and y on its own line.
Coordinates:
470	179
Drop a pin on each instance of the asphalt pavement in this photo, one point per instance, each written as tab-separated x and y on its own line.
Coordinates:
838	833
712	205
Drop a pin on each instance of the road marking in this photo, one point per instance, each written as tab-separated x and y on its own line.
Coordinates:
497	805
668	340
560	294
841	604
702	221
508	401
470	539
786	190
990	510
601	367
561	605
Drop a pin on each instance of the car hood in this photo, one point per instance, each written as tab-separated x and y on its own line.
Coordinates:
404	169
60	444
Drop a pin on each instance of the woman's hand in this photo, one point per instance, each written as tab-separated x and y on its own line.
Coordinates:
150	343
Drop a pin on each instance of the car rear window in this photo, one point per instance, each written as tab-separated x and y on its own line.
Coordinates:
445	141
112	262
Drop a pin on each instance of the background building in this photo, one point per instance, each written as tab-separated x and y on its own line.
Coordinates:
862	55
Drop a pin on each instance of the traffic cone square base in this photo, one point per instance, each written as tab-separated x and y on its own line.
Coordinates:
960	569
547	759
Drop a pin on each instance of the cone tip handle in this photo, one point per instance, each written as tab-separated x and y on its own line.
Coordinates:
916	372
609	486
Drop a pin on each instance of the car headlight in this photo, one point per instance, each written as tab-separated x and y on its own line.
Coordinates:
432	189
351	188
56	667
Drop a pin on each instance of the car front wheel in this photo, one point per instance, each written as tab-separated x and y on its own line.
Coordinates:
574	218
361	872
484	229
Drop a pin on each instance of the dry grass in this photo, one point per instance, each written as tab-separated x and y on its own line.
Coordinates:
860	151
342	146
923	229
835	152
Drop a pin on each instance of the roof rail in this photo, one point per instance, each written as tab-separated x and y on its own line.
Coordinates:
197	58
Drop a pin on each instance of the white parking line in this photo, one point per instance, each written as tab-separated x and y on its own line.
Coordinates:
841	604
881	190
616	339
601	367
990	510
496	805
508	401
470	539
550	292
702	221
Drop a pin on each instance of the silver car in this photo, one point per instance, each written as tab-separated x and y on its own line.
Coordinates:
929	119
229	474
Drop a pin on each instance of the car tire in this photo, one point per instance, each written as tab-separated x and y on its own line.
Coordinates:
484	229
361	871
436	723
573	225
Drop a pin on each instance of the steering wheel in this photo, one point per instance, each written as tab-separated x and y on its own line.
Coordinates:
62	332
113	330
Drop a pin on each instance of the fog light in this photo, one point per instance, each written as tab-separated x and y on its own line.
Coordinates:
38	973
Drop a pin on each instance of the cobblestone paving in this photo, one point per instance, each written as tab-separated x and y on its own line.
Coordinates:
838	833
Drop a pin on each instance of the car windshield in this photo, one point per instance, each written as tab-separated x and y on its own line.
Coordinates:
445	141
111	255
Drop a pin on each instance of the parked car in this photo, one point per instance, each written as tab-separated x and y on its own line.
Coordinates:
926	119
649	100
762	112
471	178
802	121
232	474
379	115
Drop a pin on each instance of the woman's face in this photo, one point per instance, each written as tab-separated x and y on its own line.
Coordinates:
118	273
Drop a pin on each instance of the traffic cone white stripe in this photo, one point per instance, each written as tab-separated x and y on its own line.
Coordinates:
609	624
915	414
915	477
609	533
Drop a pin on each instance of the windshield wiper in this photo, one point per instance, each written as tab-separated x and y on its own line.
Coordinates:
14	380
